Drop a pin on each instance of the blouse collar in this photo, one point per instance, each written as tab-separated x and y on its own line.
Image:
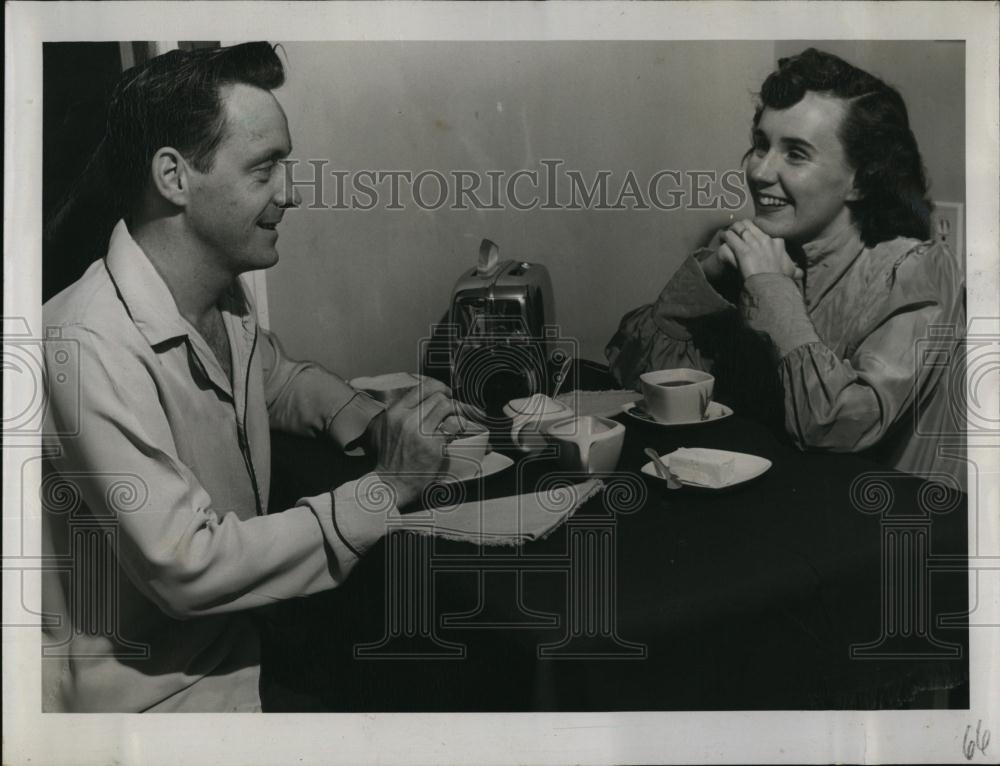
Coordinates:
827	260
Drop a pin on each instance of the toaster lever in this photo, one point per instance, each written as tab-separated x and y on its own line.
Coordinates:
489	258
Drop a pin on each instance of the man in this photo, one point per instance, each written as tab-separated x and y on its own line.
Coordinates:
166	541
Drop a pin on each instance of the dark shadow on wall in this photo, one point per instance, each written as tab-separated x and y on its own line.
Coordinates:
76	81
77	212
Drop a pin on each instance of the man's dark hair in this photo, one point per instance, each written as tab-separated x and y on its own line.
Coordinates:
174	100
876	135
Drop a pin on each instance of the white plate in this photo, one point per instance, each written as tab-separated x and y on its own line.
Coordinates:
493	463
715	411
745	468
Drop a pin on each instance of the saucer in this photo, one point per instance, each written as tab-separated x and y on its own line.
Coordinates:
493	463
715	411
745	468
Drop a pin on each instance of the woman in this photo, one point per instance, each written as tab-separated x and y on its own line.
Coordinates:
841	320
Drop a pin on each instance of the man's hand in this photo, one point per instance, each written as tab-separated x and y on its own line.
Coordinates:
454	423
410	437
753	252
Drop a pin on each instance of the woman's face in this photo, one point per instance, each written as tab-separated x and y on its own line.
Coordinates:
798	173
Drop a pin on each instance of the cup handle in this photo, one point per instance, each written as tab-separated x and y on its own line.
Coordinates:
517	424
705	401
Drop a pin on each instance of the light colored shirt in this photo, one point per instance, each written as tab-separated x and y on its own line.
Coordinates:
870	347
156	505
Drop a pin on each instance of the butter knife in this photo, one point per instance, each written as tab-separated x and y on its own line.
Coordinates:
662	469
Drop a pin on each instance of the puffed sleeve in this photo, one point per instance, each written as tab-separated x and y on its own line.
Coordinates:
304	398
692	324
849	404
657	335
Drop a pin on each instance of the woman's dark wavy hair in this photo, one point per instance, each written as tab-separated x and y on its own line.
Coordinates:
174	100
876	135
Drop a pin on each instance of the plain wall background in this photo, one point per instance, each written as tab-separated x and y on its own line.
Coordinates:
358	290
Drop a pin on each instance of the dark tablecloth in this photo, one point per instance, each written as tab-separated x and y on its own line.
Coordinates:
751	598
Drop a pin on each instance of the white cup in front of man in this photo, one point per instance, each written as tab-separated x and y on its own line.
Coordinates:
465	452
677	396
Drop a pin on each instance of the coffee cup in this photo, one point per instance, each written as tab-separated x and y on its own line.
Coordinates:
465	452
677	396
587	442
528	415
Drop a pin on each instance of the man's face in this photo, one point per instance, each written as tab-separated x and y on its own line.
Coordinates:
798	172
234	209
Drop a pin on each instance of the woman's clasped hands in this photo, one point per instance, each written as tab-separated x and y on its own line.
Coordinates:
751	251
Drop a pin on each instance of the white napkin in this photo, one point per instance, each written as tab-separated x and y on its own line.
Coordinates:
503	520
602	403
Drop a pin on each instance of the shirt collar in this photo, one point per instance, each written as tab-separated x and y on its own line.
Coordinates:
147	298
827	260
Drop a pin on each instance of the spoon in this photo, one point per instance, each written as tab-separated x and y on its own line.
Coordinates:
662	469
561	377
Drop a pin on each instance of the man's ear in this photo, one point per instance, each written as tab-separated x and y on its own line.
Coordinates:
854	194
171	176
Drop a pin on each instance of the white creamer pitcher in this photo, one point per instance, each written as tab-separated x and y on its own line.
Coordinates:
587	442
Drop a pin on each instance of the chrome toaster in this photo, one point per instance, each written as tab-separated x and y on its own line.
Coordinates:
501	327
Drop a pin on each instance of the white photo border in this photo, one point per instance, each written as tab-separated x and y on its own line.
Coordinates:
690	737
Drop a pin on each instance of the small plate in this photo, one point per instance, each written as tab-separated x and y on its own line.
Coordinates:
715	411
746	467
493	463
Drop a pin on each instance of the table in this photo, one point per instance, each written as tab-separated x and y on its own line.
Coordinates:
827	583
